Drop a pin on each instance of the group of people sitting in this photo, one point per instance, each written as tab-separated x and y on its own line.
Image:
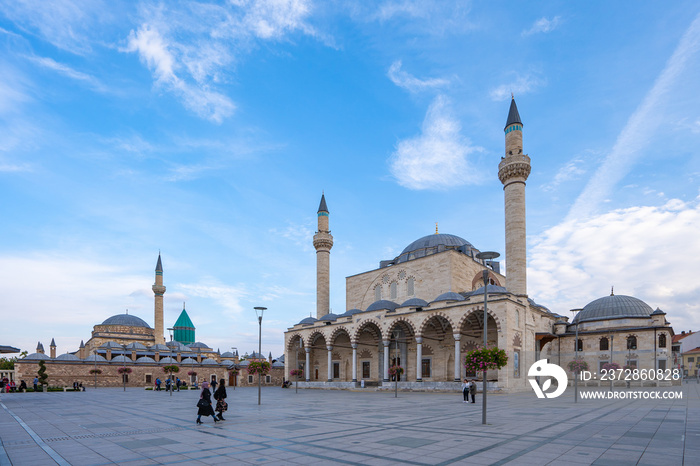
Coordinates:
9	386
170	385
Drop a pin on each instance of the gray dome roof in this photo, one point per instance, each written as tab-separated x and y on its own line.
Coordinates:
350	313
244	363
67	357
135	346
121	359
145	360
495	289
168	360
210	362
198	344
329	317
159	348
613	307
94	357
111	344
382	304
415	302
126	319
176	346
188	361
37	356
277	364
307	321
449	296
228	354
432	244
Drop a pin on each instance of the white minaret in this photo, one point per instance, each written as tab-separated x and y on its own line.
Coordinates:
323	242
513	172
159	291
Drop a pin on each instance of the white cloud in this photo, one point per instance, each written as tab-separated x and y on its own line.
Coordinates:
429	17
69	72
570	171
639	129
438	157
543	25
410	82
522	85
649	252
227	297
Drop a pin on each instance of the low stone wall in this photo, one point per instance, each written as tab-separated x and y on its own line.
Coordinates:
403	386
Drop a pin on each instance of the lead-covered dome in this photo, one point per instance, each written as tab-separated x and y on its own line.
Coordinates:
613	307
127	320
432	244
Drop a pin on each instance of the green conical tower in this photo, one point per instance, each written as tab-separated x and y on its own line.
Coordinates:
184	328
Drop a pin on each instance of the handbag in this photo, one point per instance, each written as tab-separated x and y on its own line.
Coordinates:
202	403
221	406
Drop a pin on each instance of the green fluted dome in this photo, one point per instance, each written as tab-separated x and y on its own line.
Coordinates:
183	330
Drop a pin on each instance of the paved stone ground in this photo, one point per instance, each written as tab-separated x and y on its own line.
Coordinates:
138	427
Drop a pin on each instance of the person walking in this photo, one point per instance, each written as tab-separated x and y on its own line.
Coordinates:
204	404
36	383
472	390
177	383
220	397
465	390
213	384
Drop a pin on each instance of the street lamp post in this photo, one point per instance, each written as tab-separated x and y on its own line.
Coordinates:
485	256
259	310
94	354
396	366
296	367
611	358
576	359
235	377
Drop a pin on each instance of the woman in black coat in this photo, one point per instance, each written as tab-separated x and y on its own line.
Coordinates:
220	396
204	404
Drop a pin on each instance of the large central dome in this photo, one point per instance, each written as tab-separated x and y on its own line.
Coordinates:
613	307
126	320
432	244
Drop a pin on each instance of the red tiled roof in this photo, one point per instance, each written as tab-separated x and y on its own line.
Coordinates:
679	336
693	351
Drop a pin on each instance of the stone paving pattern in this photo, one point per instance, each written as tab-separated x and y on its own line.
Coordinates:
138	427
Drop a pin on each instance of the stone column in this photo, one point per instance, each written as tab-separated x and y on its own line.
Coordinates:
458	370
354	362
386	359
330	363
307	367
419	359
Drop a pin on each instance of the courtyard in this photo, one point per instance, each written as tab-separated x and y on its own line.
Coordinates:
138	427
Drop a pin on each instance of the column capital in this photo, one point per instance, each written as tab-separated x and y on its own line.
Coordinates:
353	345
457	336
419	340
308	350
386	342
329	348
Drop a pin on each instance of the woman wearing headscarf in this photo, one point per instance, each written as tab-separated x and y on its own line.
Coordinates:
204	404
220	397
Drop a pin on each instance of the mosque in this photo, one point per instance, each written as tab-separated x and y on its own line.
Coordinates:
424	309
125	340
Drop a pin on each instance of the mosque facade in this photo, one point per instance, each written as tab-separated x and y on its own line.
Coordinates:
424	310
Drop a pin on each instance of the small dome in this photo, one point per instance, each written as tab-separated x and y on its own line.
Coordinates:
658	312
176	346
127	320
121	359
449	296
145	360
493	289
210	362
227	362
111	344
350	313
277	364
168	360
136	346
307	321
228	355
188	361
281	358
67	357
160	348
415	302
244	363
329	317
198	344
94	357
382	304
38	356
613	307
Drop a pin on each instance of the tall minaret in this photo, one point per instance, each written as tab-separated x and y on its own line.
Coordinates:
513	171
323	242
159	291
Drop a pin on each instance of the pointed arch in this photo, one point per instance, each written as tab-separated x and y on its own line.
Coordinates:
368	323
428	318
402	321
292	338
472	313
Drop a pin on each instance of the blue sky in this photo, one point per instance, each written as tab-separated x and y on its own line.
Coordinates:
208	131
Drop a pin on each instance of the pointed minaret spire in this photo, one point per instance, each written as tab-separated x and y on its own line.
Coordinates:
323	242
52	347
612	290
513	172
158	291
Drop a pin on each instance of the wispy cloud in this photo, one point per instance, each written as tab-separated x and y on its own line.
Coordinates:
226	296
409	82
639	129
522	85
439	157
431	17
69	72
572	170
543	25
634	249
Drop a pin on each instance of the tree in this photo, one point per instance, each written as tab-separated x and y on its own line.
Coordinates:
7	364
43	378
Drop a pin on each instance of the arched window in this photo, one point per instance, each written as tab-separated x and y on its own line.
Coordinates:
631	342
378	292
662	340
517	318
580	345
409	286
392	290
604	344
